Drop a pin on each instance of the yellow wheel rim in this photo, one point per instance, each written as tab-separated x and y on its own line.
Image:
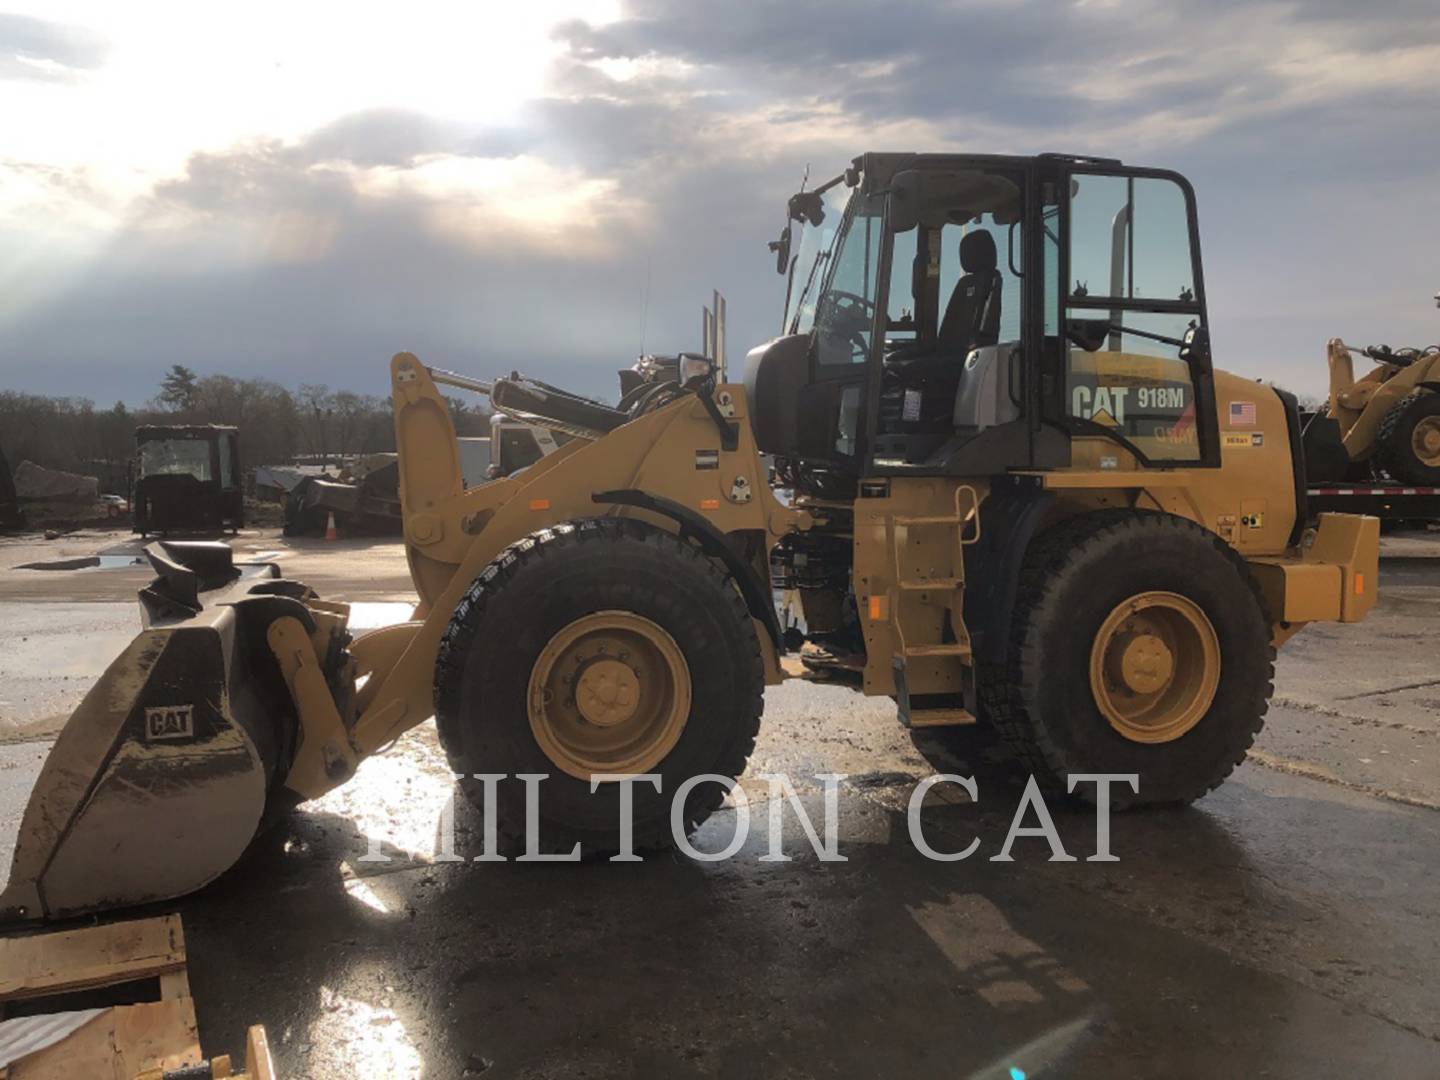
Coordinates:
1155	666
1425	441
609	693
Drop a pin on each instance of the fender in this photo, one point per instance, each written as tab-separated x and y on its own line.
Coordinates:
1009	519
1297	463
755	592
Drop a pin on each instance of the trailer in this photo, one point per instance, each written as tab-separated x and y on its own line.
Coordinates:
1394	504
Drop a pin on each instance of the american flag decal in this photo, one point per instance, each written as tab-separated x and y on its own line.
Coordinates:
1242	414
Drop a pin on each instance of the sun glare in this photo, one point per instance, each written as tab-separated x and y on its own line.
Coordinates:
178	78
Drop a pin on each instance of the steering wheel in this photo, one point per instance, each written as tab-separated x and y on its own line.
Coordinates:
847	315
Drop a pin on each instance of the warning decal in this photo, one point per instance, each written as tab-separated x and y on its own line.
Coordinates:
1235	440
910	411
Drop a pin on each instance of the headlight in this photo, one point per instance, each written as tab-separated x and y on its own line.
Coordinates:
695	368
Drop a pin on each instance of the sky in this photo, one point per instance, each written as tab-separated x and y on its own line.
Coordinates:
297	191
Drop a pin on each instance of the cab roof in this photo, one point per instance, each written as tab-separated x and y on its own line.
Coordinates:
877	167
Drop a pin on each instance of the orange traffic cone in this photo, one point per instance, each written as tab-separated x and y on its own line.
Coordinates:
330	533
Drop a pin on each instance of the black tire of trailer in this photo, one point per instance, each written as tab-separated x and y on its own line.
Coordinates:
1073	576
1394	450
531	591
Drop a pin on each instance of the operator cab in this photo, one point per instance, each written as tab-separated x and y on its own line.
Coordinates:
923	326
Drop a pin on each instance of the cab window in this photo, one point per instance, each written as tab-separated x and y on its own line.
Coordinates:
845	309
954	310
1130	298
1005	241
900	323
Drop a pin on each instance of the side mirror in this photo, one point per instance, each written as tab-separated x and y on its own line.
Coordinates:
1195	346
781	248
904	201
807	206
1089	334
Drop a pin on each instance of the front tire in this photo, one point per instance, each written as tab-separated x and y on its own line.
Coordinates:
599	646
1407	442
1139	645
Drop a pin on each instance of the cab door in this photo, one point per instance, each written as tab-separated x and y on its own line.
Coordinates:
1132	326
832	407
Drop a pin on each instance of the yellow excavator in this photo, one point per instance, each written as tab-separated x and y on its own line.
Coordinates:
988	452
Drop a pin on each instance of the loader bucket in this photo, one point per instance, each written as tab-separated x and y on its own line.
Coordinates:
160	779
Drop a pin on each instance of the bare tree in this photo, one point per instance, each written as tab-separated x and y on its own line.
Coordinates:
275	424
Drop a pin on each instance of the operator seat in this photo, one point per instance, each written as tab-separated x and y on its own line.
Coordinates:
972	320
972	317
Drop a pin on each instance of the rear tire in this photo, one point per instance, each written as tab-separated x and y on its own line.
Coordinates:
1407	442
1059	700
566	601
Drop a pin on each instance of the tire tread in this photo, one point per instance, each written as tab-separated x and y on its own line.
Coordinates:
570	541
1392	453
1008	691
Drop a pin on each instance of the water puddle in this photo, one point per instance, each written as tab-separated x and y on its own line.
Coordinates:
127	560
88	562
116	562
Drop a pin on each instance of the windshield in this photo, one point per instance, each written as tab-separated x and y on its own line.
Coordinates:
176	457
845	301
808	271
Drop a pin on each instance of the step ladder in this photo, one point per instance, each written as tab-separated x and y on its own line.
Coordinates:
943	591
942	717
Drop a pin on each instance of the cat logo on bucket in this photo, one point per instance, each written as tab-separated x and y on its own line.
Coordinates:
167	722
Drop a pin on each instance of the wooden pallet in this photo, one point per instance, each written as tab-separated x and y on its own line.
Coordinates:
144	956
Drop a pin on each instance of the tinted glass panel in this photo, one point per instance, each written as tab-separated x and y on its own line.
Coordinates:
845	311
1163	270
811	263
1129	237
1050	244
1138	388
900	316
951	270
176	457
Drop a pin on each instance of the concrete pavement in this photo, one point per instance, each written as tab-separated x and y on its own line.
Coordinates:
1284	926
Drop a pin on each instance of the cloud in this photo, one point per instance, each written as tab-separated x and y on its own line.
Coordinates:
32	48
656	165
315	260
1144	70
380	137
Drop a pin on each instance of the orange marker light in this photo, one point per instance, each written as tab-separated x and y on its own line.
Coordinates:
709	504
539	504
1359	584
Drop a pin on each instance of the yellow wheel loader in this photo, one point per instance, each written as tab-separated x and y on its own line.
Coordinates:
1386	423
988	455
